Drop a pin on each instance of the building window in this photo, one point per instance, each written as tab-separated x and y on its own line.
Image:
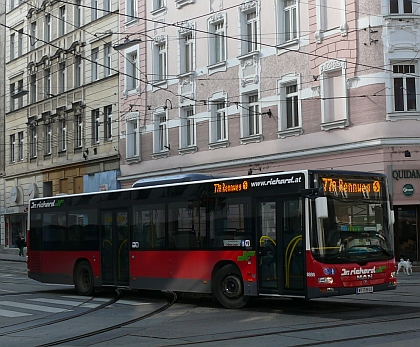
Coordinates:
79	131
292	106
48	137
12	46
78	14
33	90
95	71
47	28
334	105
20	145
221	122
158	4
78	71
160	134
404	83
20	42
96	123
12	100
132	135
108	59
107	6
187	52
131	10
33	141
253	117
62	21
20	99
249	30
159	61
62	77
47	84
217	43
287	26
12	147
63	136
94	9
33	38
188	131
131	70
108	123
330	18
400	6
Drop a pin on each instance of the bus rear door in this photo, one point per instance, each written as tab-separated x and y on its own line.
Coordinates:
114	247
281	246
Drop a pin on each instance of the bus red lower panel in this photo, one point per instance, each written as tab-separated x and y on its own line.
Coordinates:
188	271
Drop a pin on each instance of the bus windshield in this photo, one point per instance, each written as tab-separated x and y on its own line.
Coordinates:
357	228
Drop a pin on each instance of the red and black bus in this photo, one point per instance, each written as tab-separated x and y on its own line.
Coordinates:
302	234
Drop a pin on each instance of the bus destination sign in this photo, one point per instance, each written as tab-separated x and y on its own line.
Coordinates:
343	185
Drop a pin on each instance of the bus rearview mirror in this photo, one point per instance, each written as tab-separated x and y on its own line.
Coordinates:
321	207
392	217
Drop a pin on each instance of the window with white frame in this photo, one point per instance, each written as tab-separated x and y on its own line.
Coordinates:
78	131
78	71
188	127
12	147
63	135
334	104
96	124
33	38
132	136
400	6
108	123
330	17
158	4
287	26
94	9
108	59
107	6
217	43
47	83
78	14
47	28
186	52
47	139
404	87
33	141
253	117
159	61
160	133
33	90
132	71
20	145
62	20
249	28
131	10
95	67
20	42
12	46
62	77
218	122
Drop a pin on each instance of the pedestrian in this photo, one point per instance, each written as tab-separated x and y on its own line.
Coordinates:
20	243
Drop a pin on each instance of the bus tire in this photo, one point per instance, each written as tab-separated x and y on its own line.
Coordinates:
229	288
83	280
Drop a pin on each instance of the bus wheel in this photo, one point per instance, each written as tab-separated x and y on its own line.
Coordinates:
84	279
228	287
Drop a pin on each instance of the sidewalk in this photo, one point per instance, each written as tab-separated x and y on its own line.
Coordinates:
11	257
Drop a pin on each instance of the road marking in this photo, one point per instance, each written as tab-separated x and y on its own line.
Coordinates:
13	314
32	307
66	302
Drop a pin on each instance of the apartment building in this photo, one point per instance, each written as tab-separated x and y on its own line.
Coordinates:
61	104
239	87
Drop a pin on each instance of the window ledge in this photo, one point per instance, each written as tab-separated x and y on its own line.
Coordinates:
287	44
158	85
248	55
180	3
337	124
414	115
159	11
188	150
132	160
186	74
160	155
251	138
289	132
217	67
219	144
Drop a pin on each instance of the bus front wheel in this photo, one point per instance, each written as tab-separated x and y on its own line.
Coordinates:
84	279
228	288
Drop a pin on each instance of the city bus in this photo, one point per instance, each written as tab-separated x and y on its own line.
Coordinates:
300	234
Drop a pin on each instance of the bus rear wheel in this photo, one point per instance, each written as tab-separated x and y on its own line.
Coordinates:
228	288
83	280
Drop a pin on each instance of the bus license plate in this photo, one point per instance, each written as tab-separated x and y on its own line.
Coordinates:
362	290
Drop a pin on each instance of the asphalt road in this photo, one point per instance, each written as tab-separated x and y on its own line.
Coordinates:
33	314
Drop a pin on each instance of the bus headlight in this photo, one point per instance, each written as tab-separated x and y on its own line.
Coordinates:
325	280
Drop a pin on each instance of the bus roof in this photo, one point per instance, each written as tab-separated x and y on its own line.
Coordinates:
188	177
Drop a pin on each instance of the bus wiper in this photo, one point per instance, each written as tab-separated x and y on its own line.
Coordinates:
383	250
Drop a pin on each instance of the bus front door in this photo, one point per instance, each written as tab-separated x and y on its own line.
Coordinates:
114	247
281	246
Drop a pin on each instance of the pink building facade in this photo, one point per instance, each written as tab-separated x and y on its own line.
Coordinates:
229	87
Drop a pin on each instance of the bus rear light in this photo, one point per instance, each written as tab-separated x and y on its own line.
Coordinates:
326	280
